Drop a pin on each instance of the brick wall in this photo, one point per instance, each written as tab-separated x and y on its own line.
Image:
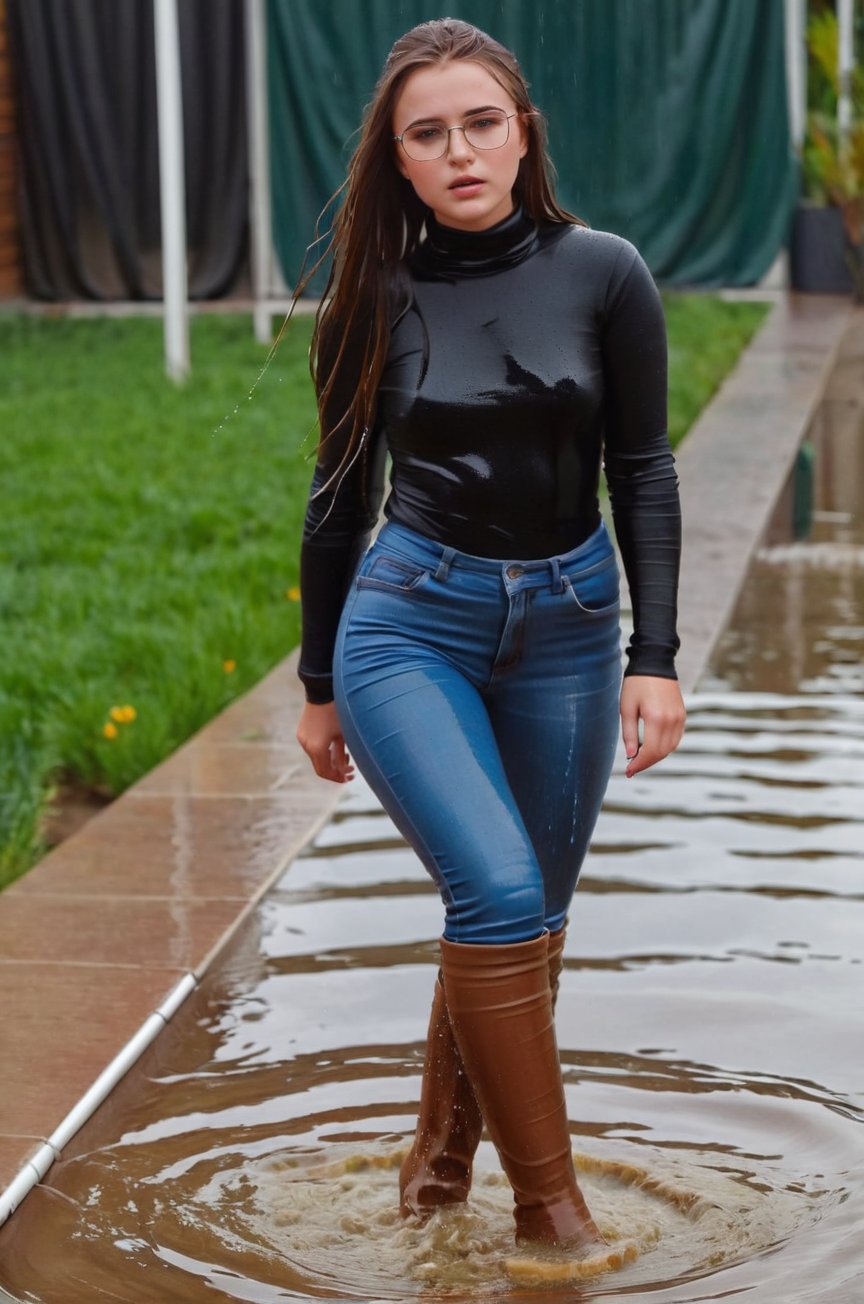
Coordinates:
11	278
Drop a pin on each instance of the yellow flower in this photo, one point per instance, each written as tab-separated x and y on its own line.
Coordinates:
123	714
116	713
129	714
293	594
229	667
109	730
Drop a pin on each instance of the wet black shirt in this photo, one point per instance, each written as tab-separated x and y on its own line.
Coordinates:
528	356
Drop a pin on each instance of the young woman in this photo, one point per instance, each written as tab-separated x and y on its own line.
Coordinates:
469	660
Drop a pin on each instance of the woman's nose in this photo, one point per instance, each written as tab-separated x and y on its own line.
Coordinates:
458	146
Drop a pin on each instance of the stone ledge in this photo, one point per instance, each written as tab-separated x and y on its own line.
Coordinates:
738	455
148	892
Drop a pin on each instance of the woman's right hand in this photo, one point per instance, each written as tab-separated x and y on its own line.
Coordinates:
319	733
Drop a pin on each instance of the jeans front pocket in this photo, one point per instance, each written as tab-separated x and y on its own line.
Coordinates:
595	591
391	575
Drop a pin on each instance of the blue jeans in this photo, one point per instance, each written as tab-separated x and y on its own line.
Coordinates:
479	698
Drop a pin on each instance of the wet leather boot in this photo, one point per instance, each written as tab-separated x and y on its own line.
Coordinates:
499	1001
437	1169
555	959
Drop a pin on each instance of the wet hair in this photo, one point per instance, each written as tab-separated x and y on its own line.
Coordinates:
381	218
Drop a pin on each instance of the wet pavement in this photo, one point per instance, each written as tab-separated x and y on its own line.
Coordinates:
799	623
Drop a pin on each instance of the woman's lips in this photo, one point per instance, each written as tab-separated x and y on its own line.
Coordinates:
466	188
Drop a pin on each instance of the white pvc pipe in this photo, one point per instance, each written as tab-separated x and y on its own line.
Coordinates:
846	55
37	1166
31	1174
172	189
260	229
796	69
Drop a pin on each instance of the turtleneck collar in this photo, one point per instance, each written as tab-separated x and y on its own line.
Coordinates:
449	251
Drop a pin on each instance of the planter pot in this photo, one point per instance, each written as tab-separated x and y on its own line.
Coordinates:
817	252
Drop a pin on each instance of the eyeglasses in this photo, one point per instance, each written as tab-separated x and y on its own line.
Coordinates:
428	141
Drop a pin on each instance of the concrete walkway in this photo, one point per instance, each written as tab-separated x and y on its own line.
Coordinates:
738	456
101	942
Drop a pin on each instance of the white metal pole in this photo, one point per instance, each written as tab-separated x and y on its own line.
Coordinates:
38	1164
796	69
261	236
172	189
847	61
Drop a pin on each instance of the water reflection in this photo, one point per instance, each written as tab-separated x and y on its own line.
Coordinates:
799	624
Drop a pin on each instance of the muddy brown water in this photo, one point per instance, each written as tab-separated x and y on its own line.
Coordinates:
709	1021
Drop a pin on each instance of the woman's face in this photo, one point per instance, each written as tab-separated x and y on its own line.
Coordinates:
448	94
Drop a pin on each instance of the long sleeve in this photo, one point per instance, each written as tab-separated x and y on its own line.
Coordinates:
640	468
344	501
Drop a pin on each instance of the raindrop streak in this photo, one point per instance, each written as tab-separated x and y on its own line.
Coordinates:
290	313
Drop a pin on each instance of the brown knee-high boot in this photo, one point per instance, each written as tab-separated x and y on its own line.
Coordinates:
500	1006
556	962
437	1169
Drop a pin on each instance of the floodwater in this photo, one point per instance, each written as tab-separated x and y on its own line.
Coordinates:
709	1022
799	624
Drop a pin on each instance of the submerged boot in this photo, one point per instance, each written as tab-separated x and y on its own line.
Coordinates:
437	1169
500	1005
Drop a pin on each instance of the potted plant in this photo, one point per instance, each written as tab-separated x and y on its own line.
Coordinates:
827	246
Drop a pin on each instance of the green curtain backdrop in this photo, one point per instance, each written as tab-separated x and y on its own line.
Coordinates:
667	119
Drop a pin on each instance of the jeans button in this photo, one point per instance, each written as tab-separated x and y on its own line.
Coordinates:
513	572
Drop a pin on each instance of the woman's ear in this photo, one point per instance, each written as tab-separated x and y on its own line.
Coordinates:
523	136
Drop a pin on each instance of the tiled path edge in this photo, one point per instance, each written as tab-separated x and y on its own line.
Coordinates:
104	938
102	941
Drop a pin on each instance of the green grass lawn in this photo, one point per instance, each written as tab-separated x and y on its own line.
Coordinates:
149	547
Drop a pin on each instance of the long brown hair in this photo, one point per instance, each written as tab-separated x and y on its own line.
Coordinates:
380	220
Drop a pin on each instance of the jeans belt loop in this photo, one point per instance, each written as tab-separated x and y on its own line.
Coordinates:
557	578
444	564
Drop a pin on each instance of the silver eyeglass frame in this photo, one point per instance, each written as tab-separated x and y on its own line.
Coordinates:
459	127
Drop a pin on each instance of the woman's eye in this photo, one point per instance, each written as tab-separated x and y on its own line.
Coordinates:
483	124
425	133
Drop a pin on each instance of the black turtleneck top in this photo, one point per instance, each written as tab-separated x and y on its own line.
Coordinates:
528	355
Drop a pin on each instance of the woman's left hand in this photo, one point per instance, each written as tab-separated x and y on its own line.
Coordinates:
658	706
